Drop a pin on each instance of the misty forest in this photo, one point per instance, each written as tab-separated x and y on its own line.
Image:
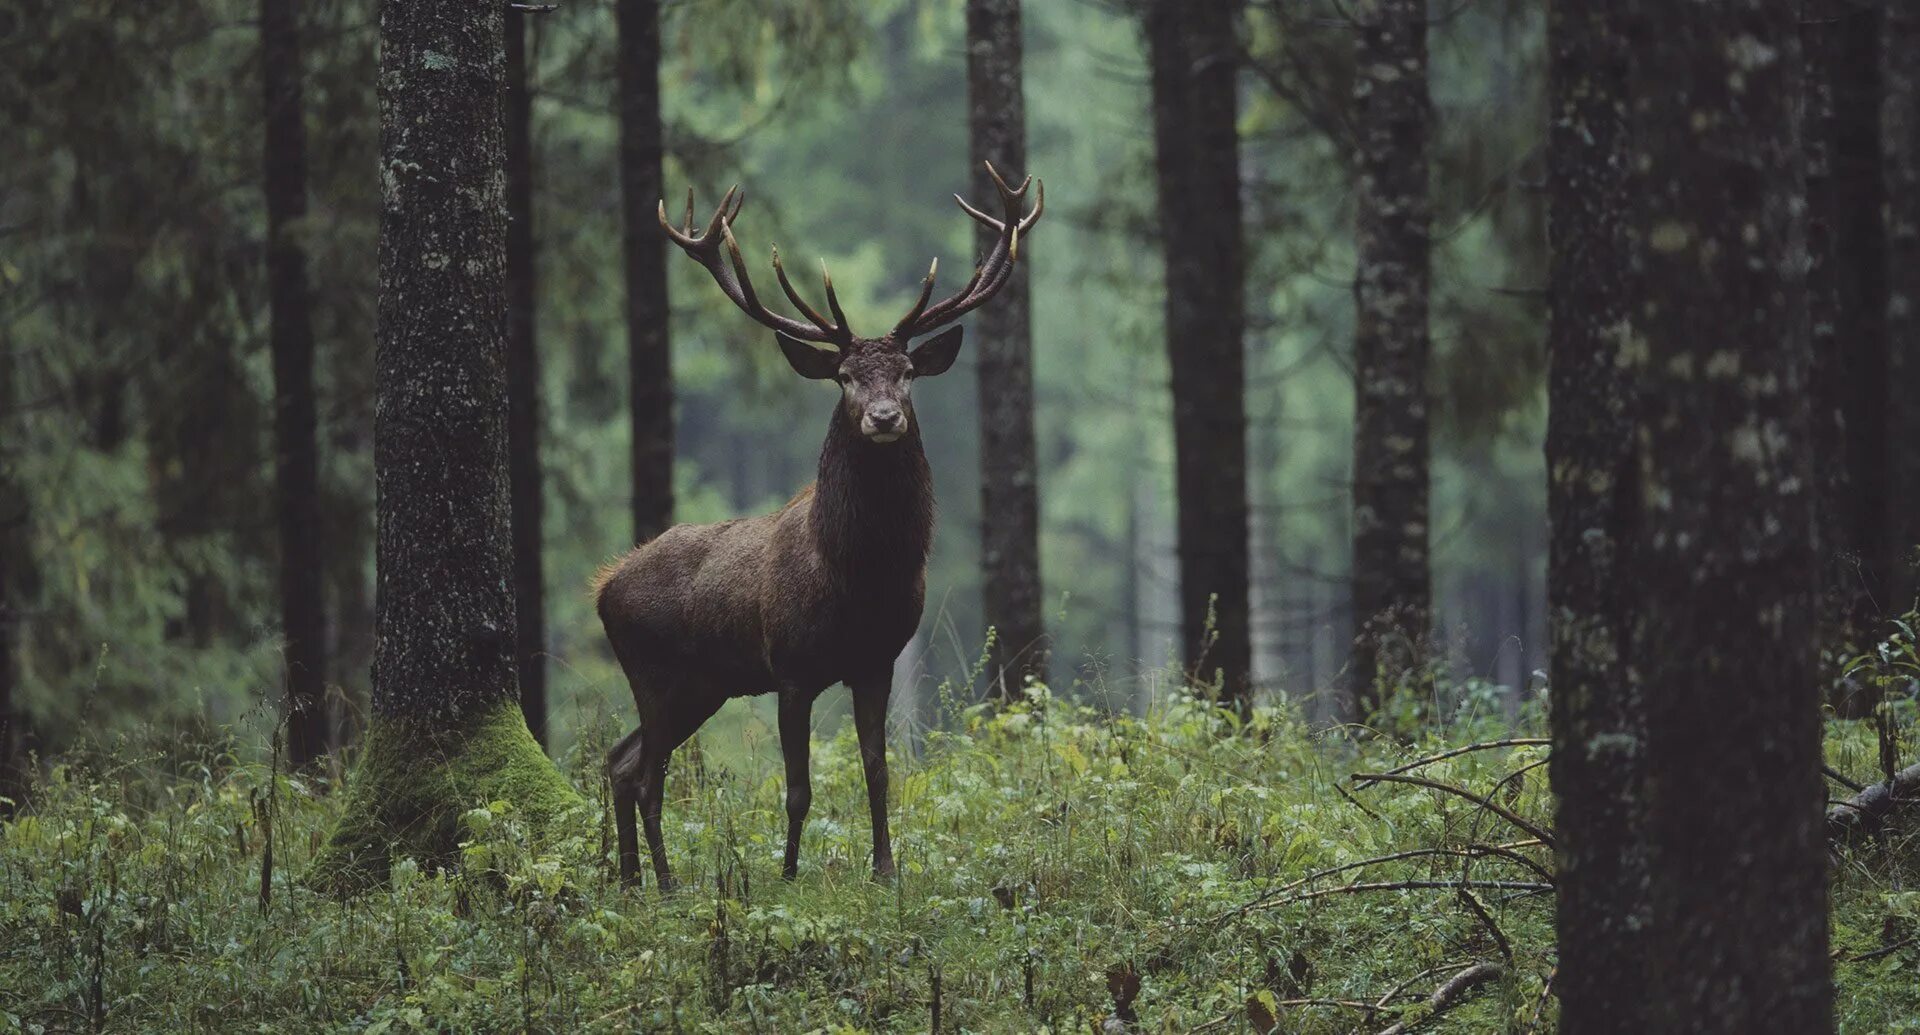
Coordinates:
1113	516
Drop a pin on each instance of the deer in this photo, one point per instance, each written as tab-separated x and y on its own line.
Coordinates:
826	590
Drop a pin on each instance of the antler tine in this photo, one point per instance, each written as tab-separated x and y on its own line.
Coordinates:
780	271
688	222
1007	193
833	300
926	293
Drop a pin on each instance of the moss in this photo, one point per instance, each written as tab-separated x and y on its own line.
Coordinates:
412	783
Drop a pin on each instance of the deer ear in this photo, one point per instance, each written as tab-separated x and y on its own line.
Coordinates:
807	361
937	354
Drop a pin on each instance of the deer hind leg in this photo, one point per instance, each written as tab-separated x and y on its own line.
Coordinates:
623	774
675	724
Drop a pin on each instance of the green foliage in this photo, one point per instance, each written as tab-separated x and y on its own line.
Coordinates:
1047	852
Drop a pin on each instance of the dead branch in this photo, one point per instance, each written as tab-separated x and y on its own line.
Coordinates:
1489	745
1506	851
1863	814
1479	911
1486	803
1523	886
1448	995
1842	779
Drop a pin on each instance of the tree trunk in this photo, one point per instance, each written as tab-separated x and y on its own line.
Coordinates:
1194	56
1009	499
446	733
1392	588
15	557
1901	125
1847	296
1724	629
650	356
296	446
523	391
1599	726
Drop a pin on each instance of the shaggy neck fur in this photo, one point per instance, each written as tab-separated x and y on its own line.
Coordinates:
872	504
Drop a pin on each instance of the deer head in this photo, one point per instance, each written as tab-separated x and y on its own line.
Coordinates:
876	374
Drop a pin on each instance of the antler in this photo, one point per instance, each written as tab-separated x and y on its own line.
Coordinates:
731	274
992	274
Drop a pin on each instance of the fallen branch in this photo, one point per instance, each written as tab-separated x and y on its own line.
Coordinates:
1489	745
1448	995
1842	779
1486	803
1863	814
1506	851
1529	887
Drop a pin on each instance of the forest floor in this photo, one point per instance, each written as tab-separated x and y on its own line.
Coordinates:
1060	869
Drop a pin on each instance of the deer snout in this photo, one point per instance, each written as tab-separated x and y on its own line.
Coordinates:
883	422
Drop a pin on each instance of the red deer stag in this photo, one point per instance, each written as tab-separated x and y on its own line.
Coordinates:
829	588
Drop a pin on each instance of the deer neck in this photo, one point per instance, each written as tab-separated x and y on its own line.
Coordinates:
873	503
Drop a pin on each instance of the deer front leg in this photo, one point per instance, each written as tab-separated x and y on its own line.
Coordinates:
870	721
796	725
623	775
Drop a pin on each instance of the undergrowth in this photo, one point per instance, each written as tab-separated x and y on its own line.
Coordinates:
1061	869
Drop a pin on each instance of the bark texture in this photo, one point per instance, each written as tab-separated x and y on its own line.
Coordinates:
1193	52
296	446
523	392
1009	496
1847	297
650	359
1392	587
1900	120
1724	632
1599	726
447	731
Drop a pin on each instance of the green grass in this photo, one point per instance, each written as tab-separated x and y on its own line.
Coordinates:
1045	853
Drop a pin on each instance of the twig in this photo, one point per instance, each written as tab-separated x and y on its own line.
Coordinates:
1479	911
1540	1006
1530	887
1489	745
1840	956
1447	996
534	8
1486	803
1841	778
1470	851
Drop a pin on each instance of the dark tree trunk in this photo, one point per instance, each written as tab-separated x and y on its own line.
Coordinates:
650	356
1724	627
1599	726
446	729
1847	297
1194	56
1009	498
296	446
1901	124
15	559
523	391
1392	587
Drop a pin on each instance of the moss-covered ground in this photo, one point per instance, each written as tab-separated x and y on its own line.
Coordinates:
1052	860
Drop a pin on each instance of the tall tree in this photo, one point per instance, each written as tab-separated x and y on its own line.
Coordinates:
523	390
15	558
1392	586
1723	561
650	357
1847	297
446	730
1599	728
1009	495
296	446
1901	125
1194	57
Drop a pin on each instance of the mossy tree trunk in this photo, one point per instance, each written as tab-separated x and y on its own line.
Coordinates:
1723	565
1901	128
1599	727
649	346
523	390
1009	483
296	444
446	731
1194	55
1392	584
